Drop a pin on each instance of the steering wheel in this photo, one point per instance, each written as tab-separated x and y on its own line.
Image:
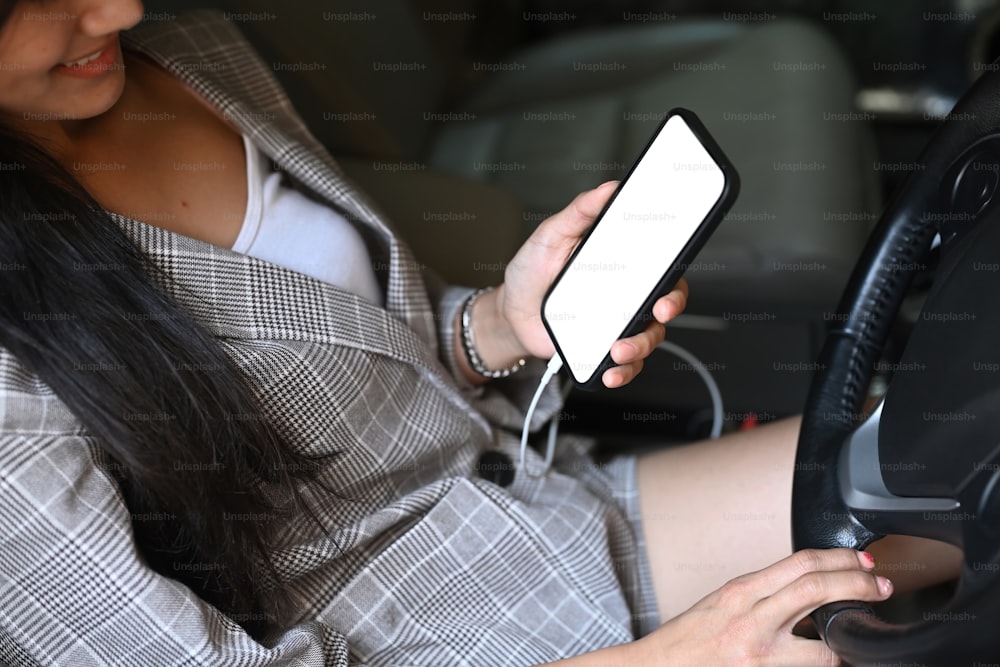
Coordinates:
926	461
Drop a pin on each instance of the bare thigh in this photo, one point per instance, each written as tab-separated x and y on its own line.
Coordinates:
717	509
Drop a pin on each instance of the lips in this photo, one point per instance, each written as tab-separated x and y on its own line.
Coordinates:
92	64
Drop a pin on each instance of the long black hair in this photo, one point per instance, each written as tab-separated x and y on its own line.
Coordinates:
205	476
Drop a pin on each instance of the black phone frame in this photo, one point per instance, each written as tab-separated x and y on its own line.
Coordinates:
730	190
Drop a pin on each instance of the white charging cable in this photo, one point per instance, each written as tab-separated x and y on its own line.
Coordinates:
706	377
555	364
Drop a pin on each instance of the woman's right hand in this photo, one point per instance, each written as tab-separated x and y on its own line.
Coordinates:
749	620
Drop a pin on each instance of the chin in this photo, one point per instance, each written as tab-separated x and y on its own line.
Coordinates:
101	101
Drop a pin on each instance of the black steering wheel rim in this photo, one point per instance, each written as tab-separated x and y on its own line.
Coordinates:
940	196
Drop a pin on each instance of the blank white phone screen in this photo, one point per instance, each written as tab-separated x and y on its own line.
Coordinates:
664	200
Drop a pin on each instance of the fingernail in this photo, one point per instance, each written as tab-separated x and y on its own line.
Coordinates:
884	585
867	560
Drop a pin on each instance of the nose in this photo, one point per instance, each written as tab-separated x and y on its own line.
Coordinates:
103	17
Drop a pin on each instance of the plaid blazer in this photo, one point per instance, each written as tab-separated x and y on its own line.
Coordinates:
428	562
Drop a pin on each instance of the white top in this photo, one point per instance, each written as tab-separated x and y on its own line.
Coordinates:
284	227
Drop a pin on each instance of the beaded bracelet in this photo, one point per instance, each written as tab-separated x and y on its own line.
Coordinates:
469	344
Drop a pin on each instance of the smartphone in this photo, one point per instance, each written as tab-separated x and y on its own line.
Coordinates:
660	216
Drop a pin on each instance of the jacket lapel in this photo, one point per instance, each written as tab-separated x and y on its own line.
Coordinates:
243	298
212	57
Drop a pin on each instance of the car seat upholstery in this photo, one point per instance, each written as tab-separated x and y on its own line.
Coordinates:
548	121
807	194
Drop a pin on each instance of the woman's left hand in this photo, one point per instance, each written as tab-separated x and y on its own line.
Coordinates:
536	265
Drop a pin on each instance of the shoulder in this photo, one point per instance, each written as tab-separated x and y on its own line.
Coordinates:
209	53
201	42
28	406
202	30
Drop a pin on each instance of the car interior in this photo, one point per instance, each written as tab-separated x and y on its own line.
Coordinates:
861	133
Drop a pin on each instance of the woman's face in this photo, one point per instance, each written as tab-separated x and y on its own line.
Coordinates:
61	60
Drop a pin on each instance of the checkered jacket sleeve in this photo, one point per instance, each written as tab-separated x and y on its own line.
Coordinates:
74	591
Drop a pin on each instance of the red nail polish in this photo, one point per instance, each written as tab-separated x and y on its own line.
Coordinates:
868	558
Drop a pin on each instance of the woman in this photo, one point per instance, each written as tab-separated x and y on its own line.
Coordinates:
239	427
